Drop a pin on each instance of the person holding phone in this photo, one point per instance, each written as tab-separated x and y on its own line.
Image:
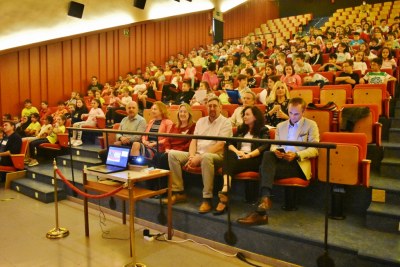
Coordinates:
293	161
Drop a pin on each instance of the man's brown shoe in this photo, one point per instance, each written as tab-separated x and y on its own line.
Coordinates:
205	206
265	204
254	218
175	198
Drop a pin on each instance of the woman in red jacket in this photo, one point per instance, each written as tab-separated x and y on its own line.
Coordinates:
184	126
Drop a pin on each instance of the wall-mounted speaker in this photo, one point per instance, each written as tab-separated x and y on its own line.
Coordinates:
75	9
139	3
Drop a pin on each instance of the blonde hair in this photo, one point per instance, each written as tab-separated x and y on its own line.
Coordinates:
272	96
189	110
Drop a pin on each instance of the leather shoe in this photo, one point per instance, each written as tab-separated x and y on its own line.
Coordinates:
264	205
222	205
254	218
175	198
205	206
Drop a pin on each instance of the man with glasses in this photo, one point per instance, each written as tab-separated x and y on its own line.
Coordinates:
348	76
207	154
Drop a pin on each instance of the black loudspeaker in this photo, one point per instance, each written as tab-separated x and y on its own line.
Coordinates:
139	3
75	9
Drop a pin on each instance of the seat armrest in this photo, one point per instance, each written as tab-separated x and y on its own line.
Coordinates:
18	161
63	139
378	133
365	169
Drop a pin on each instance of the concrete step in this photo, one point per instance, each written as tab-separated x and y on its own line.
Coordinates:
86	150
383	217
395	123
79	162
394	135
37	190
391	187
391	150
390	167
397	111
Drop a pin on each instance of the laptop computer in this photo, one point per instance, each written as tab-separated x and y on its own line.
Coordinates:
117	160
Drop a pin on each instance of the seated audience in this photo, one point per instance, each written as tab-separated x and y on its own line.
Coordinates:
211	77
184	126
376	76
185	95
290	78
347	76
10	144
34	127
301	66
200	97
28	109
44	111
285	161
243	156
51	138
61	110
91	120
249	99
277	108
207	154
331	65
159	123
94	84
80	109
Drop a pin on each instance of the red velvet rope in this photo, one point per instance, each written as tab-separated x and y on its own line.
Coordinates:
77	190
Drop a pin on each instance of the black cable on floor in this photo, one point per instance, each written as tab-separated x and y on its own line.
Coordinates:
241	257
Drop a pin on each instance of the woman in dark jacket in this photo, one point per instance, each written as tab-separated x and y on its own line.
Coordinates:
243	156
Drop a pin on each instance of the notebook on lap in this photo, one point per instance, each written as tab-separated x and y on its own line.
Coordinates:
234	96
117	160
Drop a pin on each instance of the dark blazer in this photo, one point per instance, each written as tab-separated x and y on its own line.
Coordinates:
264	134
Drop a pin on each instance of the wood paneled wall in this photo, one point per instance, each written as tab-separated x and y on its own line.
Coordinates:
242	20
51	71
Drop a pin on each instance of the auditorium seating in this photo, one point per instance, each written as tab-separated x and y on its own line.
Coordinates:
369	125
340	94
348	166
323	118
17	159
62	142
111	137
310	94
375	94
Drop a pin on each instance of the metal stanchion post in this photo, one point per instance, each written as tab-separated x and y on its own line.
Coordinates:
57	232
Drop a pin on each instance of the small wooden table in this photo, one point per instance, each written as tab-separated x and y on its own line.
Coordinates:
131	193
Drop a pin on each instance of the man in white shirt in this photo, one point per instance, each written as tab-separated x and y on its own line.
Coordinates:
207	154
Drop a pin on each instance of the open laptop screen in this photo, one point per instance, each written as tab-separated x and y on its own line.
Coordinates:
118	156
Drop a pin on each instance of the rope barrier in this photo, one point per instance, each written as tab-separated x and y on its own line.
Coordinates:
84	194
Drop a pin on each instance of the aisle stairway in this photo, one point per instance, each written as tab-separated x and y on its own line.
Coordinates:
384	213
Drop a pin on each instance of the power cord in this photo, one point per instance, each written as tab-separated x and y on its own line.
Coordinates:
239	255
102	223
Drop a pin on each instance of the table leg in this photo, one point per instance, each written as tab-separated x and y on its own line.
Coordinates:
169	212
85	207
132	220
123	211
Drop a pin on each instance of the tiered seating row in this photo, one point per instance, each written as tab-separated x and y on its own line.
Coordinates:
375	12
283	28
